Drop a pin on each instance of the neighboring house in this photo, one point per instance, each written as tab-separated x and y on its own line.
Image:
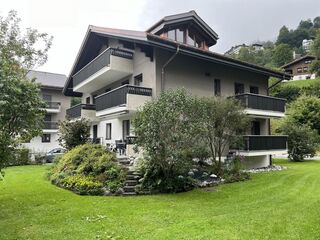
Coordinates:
236	49
307	44
300	68
117	71
57	103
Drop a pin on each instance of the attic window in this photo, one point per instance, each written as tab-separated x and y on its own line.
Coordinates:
186	36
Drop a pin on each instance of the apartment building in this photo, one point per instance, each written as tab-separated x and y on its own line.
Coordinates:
51	91
116	71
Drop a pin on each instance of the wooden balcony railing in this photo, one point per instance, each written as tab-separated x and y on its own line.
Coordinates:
118	96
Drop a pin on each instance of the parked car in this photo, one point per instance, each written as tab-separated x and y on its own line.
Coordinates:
53	153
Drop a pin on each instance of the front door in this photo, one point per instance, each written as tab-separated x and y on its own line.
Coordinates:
125	129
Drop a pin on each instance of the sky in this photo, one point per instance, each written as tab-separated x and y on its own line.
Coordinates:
235	21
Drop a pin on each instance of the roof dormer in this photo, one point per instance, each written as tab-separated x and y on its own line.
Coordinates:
187	28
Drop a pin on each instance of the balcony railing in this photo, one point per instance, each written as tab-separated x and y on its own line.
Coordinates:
50	125
53	105
75	111
264	143
101	61
261	102
118	96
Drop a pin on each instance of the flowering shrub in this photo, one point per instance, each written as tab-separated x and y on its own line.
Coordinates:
88	169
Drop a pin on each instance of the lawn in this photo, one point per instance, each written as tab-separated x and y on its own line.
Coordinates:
302	83
277	205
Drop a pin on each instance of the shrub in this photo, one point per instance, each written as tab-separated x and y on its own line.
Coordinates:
39	158
86	169
288	91
165	128
234	172
21	157
302	140
73	133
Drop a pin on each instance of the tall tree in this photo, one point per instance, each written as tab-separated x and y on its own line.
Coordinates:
282	54
284	35
315	67
223	121
21	116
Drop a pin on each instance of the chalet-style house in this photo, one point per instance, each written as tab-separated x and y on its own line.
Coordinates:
116	71
300	68
51	90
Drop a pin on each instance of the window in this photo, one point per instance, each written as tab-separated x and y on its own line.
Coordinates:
305	69
254	90
217	87
108	131
180	35
238	88
94	99
88	100
172	34
138	80
125	129
299	70
46	138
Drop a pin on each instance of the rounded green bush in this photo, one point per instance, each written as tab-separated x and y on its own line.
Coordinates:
88	169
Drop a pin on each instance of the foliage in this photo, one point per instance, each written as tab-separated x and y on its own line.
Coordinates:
315	67
282	54
86	169
75	101
287	91
234	172
40	158
166	127
302	140
73	133
20	157
20	102
306	111
222	122
316	45
83	185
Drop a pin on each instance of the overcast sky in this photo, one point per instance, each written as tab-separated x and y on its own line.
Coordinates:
235	21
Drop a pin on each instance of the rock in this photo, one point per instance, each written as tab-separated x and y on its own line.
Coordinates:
213	176
120	191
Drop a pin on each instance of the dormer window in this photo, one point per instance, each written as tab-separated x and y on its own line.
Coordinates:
187	28
186	36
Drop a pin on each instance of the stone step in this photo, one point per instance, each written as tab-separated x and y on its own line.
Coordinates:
131	182
129	194
124	161
129	189
132	177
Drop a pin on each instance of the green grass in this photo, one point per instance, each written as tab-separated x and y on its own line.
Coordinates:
277	205
302	83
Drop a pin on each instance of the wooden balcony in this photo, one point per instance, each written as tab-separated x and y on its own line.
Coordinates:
262	106
124	98
109	66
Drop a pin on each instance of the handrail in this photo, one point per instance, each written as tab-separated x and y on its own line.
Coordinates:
123	86
260	95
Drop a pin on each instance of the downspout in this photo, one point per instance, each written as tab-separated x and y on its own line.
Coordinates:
165	65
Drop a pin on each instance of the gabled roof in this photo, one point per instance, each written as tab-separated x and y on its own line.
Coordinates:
150	39
47	79
181	18
298	60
